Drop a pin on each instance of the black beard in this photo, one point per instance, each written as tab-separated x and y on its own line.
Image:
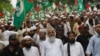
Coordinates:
79	23
31	35
91	22
72	41
28	46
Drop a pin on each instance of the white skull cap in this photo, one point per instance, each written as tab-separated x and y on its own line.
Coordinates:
27	37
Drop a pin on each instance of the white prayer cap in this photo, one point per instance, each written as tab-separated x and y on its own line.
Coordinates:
85	16
77	16
48	16
71	15
49	27
87	12
33	28
95	8
55	17
62	16
42	30
27	37
37	24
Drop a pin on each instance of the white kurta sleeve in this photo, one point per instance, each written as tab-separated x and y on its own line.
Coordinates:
43	51
37	52
65	50
61	47
82	51
90	46
13	32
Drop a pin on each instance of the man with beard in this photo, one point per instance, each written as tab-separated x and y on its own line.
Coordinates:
13	48
28	49
52	46
32	31
73	48
94	43
41	38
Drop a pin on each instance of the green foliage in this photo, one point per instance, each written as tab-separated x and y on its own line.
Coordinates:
5	4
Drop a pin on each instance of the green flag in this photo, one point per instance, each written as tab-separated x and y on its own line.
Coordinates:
45	3
22	8
53	6
68	10
7	15
80	5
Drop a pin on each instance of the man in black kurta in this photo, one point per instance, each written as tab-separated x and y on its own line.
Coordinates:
13	48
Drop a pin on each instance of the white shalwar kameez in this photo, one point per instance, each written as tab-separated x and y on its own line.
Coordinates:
33	51
40	42
52	49
75	49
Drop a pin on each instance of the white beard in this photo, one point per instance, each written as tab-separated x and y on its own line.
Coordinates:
52	39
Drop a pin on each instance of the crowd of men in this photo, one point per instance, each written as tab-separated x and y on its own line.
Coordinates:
61	34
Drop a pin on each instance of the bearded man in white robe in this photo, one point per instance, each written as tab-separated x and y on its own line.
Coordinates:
52	46
73	48
28	49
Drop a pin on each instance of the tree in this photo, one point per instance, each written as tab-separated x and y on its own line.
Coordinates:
5	4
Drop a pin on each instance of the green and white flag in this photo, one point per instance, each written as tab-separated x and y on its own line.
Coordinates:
45	3
7	15
68	9
53	6
80	5
22	8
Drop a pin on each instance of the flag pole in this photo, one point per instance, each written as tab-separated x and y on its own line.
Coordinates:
33	9
26	16
25	23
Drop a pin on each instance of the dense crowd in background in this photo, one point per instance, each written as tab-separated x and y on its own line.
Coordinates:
60	34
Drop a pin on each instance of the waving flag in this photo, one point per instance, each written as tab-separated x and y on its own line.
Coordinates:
80	5
22	8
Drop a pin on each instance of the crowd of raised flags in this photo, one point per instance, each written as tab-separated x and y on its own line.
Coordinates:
38	8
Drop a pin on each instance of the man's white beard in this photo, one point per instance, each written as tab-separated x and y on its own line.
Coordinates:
52	39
